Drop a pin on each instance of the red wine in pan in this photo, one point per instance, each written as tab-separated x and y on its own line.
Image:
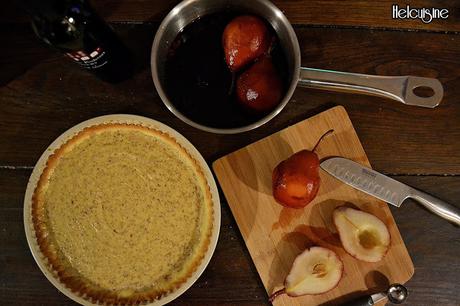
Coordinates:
197	79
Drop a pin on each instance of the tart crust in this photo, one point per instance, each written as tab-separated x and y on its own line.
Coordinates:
63	269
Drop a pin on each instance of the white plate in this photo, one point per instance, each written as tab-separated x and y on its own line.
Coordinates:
131	119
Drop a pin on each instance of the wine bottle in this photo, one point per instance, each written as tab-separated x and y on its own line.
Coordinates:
74	28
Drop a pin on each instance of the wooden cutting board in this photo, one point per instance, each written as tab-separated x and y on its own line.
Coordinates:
275	235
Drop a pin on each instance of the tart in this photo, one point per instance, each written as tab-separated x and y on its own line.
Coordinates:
122	214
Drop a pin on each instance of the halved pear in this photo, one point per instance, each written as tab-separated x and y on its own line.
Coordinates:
363	235
315	271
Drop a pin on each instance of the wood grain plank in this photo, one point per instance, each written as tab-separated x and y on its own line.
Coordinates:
231	278
315	12
53	94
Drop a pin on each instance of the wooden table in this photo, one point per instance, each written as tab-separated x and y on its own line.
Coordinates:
42	94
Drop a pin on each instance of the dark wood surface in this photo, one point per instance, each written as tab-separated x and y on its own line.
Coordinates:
42	94
350	13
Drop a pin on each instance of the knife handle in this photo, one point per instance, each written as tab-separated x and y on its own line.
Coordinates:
361	301
437	206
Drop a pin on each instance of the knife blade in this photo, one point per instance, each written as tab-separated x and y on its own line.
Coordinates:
386	188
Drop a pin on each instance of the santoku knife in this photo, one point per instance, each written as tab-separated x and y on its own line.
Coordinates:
385	188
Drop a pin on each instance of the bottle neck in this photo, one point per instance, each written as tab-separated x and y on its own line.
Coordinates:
63	24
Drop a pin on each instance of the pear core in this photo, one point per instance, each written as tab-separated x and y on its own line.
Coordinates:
369	239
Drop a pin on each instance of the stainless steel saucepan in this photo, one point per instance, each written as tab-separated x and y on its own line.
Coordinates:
400	88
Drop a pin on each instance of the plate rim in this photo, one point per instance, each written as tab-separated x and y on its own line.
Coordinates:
128	119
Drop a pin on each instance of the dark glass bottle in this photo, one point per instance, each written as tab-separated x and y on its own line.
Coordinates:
74	28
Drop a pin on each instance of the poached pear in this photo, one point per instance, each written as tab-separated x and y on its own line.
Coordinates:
259	89
245	38
296	181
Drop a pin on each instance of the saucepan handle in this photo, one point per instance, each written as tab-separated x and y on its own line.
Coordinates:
399	88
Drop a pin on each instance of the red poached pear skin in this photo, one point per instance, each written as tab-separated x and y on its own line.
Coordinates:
244	39
259	88
296	179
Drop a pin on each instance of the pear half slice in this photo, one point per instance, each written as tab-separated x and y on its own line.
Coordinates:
315	271
363	235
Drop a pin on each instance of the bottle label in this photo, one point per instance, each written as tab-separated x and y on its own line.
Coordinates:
90	61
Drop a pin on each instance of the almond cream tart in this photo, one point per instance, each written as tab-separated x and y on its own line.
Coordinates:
122	213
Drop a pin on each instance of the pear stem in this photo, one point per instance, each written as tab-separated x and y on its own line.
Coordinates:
321	138
276	294
232	84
